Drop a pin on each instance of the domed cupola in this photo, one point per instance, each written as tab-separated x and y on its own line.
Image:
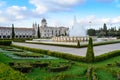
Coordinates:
44	22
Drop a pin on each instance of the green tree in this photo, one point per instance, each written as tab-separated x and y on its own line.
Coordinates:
13	32
90	52
91	32
105	29
38	32
78	44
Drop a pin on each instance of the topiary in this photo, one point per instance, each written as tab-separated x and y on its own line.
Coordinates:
90	52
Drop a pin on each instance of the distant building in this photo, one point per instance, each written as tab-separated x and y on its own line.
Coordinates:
5	32
45	31
48	31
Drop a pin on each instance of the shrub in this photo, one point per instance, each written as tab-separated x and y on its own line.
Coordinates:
107	55
90	52
40	64
81	46
55	54
7	73
5	42
91	74
35	55
58	69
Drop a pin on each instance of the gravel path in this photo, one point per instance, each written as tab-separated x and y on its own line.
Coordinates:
76	51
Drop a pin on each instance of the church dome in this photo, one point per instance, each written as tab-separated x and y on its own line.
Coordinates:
43	20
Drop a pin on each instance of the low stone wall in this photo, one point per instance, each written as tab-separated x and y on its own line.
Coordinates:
70	39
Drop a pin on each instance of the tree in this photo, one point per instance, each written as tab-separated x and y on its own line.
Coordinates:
105	29
78	44
13	32
90	52
38	32
91	32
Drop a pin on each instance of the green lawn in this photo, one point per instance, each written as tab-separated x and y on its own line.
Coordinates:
77	70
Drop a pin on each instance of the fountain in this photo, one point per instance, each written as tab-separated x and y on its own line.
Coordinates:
77	32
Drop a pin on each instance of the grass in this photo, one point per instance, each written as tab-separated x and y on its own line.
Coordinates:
104	75
77	71
4	58
7	73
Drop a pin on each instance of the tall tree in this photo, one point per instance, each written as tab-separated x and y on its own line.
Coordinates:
13	32
38	32
105	29
90	52
91	32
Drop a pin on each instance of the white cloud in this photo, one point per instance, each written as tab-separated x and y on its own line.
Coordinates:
16	12
93	21
43	6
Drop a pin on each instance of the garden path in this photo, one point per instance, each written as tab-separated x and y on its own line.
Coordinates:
76	51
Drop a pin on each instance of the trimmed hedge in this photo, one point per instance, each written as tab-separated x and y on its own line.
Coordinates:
35	55
22	67
90	52
21	39
107	55
39	64
7	73
70	56
5	42
59	69
75	46
55	54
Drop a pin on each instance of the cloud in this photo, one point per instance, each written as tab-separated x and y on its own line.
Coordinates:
16	12
105	1
43	6
94	21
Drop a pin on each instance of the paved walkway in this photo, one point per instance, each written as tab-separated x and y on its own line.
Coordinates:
76	51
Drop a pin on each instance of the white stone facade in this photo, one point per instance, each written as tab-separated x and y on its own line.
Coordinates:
45	31
6	32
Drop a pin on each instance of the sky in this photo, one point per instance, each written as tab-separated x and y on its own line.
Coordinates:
88	13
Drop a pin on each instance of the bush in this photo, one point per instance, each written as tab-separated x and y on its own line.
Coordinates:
81	46
35	55
39	64
21	39
5	42
107	55
58	69
90	52
7	73
70	56
55	54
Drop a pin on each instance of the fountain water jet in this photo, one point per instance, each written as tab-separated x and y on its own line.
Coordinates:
77	32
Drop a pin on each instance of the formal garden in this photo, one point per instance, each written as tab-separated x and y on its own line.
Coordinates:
23	63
